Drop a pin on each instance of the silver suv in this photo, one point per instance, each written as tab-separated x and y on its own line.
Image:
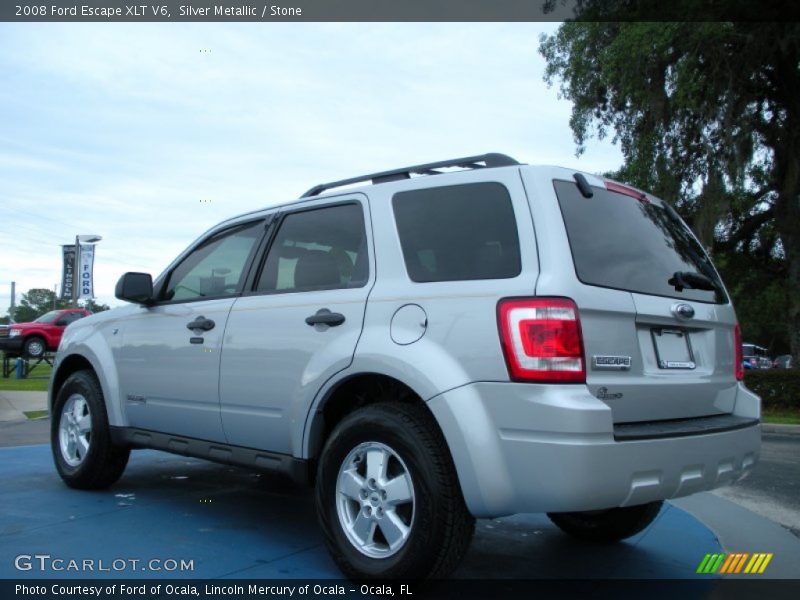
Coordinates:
470	338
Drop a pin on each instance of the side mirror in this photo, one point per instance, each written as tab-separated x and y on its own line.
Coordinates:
135	287
61	323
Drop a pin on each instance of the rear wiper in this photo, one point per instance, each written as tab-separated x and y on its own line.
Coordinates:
681	280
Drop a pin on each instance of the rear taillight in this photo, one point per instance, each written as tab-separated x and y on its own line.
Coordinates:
738	367
542	340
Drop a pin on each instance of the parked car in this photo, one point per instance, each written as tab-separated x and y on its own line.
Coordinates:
756	356
470	338
42	335
784	361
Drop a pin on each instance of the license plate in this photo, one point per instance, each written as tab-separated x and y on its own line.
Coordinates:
673	349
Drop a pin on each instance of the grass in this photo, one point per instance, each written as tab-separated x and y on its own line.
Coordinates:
36	414
36	381
23	385
781	416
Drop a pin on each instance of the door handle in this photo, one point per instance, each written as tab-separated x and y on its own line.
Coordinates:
201	323
325	317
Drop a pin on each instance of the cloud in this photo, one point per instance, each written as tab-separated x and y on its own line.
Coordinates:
122	129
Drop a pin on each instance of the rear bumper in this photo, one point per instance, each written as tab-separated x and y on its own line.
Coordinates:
539	448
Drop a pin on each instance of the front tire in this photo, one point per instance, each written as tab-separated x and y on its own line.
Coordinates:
34	347
388	498
80	437
610	525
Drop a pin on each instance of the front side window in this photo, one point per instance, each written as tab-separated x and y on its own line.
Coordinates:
216	267
318	249
458	232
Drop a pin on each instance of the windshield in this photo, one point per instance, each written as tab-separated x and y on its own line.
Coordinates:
48	317
624	243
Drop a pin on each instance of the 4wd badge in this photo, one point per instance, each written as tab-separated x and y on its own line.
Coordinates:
618	363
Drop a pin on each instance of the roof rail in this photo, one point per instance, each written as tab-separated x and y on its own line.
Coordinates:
482	161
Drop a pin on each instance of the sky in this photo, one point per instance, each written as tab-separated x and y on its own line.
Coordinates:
149	134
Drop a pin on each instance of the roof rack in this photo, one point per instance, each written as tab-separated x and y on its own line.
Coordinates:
482	161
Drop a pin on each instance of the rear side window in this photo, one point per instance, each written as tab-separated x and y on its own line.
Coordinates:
458	232
623	243
319	249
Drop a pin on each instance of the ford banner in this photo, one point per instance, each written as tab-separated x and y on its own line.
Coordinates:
86	265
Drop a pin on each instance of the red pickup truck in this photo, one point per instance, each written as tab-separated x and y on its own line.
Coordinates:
44	334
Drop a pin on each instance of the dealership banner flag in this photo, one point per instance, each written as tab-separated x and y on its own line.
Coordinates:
86	265
68	271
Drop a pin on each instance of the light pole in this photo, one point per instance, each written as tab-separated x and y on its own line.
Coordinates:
86	239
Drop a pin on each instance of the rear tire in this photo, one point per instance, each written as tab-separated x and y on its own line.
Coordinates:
610	525
80	437
374	527
34	347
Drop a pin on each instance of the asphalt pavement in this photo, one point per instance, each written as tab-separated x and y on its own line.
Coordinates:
24	433
772	489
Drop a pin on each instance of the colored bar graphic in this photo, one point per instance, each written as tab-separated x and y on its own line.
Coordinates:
754	561
717	563
765	563
703	563
727	564
741	563
734	562
712	560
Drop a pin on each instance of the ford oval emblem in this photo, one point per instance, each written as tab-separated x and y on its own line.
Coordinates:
683	311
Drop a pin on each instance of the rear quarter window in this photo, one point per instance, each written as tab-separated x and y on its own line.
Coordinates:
458	232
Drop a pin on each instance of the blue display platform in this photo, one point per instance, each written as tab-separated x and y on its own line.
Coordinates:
232	523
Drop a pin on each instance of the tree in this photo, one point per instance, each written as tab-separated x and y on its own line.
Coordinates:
94	307
707	114
36	302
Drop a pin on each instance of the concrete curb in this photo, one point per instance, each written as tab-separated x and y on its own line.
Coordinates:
780	428
14	404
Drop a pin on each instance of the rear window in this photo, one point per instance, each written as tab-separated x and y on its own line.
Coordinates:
458	232
623	243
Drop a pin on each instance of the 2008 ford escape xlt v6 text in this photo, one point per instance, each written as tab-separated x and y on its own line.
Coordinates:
469	338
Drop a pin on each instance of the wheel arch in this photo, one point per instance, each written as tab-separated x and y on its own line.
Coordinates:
86	360
69	365
349	394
